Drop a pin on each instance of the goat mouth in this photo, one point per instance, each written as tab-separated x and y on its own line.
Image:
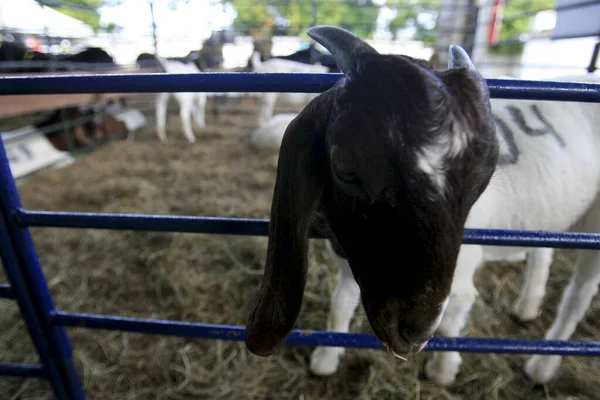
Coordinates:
400	347
404	350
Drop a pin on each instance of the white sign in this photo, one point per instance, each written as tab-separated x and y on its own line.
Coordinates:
28	151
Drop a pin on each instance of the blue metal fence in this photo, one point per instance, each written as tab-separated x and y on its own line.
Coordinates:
46	324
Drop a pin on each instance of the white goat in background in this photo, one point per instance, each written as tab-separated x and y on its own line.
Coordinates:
268	135
390	165
548	179
191	105
278	65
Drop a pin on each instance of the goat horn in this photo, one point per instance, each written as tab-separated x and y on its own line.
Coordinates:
344	46
459	58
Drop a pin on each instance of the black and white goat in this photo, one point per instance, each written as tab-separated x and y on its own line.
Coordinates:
22	60
391	164
313	56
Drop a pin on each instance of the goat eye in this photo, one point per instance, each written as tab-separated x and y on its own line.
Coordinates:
346	175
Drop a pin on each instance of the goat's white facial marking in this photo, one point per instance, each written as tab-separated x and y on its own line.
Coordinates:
443	307
437	322
433	158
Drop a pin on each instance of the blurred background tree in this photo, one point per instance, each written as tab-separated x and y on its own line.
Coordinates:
286	17
516	21
292	17
84	11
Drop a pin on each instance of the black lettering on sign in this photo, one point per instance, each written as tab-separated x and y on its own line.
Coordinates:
519	119
12	155
509	138
19	154
25	150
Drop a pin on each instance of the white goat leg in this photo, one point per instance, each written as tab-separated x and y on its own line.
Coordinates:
267	107
199	114
346	296
443	367
162	100
575	302
185	112
528	304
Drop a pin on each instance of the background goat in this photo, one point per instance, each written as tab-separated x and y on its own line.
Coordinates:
29	61
548	178
191	105
312	56
268	135
267	101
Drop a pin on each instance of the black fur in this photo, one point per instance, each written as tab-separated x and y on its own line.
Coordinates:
348	169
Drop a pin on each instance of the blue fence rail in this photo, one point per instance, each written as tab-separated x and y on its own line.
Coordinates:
46	324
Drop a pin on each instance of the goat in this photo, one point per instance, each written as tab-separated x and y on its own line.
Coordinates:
399	154
276	65
191	105
313	56
33	61
268	135
351	168
548	178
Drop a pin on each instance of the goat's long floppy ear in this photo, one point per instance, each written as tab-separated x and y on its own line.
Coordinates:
297	193
345	47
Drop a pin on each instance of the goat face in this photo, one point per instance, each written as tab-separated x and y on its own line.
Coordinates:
392	158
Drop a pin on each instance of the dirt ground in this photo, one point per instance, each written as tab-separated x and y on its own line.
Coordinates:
213	278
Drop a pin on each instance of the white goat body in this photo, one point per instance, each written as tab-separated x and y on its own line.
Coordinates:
548	179
269	134
191	105
277	65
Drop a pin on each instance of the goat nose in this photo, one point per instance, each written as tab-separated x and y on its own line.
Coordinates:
414	337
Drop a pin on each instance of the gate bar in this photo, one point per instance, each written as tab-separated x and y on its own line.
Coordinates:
21	262
6	291
27	308
21	370
259	227
253	82
320	338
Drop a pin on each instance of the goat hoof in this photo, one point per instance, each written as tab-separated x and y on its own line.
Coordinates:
541	369
324	361
527	310
443	368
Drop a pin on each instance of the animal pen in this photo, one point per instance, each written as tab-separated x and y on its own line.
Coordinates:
47	324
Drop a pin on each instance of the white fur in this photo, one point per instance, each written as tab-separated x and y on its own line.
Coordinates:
346	297
432	159
550	188
269	134
278	65
191	105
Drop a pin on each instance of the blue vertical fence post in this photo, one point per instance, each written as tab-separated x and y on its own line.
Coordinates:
29	286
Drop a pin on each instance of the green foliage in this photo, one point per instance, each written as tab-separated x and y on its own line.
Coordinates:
408	16
358	15
87	16
515	23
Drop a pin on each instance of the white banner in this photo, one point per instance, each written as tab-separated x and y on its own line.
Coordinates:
28	151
